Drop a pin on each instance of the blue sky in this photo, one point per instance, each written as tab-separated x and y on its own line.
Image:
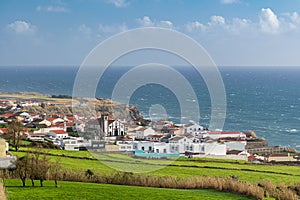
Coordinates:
234	32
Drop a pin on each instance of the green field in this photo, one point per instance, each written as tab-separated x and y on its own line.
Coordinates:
81	191
180	168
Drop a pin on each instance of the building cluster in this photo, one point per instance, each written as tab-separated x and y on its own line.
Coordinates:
106	133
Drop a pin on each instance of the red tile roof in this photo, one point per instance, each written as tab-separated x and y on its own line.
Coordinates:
4	130
59	131
50	119
110	118
8	115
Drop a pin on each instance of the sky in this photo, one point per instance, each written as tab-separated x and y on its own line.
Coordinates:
233	32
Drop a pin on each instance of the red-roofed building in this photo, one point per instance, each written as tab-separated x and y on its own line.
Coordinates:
8	115
154	138
58	133
3	130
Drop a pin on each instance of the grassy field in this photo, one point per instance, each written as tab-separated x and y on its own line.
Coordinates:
81	191
180	168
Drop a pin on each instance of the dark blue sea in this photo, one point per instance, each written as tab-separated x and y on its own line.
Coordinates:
263	99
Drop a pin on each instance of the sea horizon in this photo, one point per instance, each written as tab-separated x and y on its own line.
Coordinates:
262	99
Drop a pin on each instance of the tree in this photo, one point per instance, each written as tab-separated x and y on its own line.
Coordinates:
23	168
14	133
55	169
39	167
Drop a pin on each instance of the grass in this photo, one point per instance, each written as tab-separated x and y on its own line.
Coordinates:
180	168
70	190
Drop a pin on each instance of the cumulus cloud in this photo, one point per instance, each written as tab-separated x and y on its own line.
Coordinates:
220	24
295	17
229	1
191	26
147	22
51	9
22	27
217	20
119	3
268	21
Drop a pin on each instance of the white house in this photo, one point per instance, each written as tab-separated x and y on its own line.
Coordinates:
235	145
36	136
70	144
220	134
161	147
141	133
154	138
144	146
193	129
126	146
58	134
178	144
213	148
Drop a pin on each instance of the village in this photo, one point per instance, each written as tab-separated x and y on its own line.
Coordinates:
161	139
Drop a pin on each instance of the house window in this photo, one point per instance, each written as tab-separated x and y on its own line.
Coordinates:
157	150
165	150
202	148
143	148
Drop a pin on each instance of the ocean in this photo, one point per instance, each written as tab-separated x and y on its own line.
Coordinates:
263	99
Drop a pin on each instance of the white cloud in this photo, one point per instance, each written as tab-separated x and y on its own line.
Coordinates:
269	22
85	30
119	3
51	9
147	22
191	26
217	20
219	24
165	24
22	27
295	17
229	1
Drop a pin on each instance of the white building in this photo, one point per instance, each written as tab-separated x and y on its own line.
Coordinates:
126	146
70	144
161	147
193	129
154	138
58	134
235	145
218	135
144	146
213	148
141	133
115	128
178	144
